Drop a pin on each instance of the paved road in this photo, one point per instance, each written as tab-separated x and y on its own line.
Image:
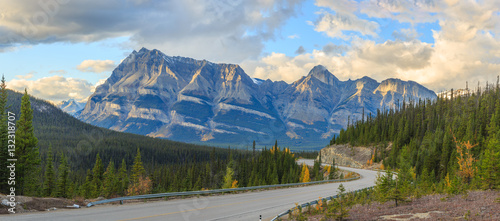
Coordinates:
243	206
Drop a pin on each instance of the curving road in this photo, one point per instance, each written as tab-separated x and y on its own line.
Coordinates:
242	206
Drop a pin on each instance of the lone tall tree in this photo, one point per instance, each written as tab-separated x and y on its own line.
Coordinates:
63	178
139	182
28	162
49	184
4	173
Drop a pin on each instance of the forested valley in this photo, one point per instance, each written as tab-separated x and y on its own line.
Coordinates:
69	158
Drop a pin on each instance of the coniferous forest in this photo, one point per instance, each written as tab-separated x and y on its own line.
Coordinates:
449	146
70	158
450	143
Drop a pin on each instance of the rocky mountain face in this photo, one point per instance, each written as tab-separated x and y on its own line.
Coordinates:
72	107
190	100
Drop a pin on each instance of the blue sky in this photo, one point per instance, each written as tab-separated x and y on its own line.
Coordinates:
73	46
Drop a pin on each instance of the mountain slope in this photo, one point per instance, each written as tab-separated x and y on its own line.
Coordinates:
81	141
184	99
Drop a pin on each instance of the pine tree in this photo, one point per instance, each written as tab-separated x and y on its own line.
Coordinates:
396	195
123	181
317	168
338	210
49	185
109	183
63	182
86	188
490	165
140	183
28	164
333	171
253	148
4	153
97	177
137	169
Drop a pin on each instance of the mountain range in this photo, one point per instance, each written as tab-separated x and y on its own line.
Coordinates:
184	99
72	107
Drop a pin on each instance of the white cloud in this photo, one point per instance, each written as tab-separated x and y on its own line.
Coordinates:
340	6
417	11
380	61
406	34
467	48
96	66
54	88
335	25
26	76
294	36
217	30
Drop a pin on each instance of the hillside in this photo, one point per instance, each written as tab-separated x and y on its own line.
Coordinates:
183	99
81	141
455	137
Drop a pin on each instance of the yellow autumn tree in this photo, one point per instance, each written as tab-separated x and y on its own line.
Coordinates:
304	175
234	184
465	160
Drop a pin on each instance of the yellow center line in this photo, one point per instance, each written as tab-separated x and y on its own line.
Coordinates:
229	204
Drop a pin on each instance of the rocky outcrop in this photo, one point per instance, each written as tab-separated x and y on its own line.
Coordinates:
347	155
191	100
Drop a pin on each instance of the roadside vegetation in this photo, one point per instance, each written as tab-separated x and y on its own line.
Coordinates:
448	147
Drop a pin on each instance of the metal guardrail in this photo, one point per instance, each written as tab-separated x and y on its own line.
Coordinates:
314	202
158	195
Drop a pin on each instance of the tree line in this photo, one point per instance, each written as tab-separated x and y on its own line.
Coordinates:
447	143
112	164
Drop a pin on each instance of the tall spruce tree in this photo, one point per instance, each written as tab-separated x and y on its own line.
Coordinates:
97	177
63	182
109	182
28	164
49	184
122	182
4	153
138	170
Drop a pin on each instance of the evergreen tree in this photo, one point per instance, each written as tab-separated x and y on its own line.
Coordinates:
4	153
109	183
140	183
86	188
63	182
49	185
123	181
338	210
317	168
253	148
490	165
333	171
28	164
97	177
397	195
137	169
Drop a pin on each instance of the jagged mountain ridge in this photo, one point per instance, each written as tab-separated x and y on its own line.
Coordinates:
71	107
191	100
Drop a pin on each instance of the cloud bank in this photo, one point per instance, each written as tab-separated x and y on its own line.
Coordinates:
467	48
217	30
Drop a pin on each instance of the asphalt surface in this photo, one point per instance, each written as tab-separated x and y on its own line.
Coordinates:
241	206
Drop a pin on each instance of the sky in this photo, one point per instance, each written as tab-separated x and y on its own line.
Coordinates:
63	49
